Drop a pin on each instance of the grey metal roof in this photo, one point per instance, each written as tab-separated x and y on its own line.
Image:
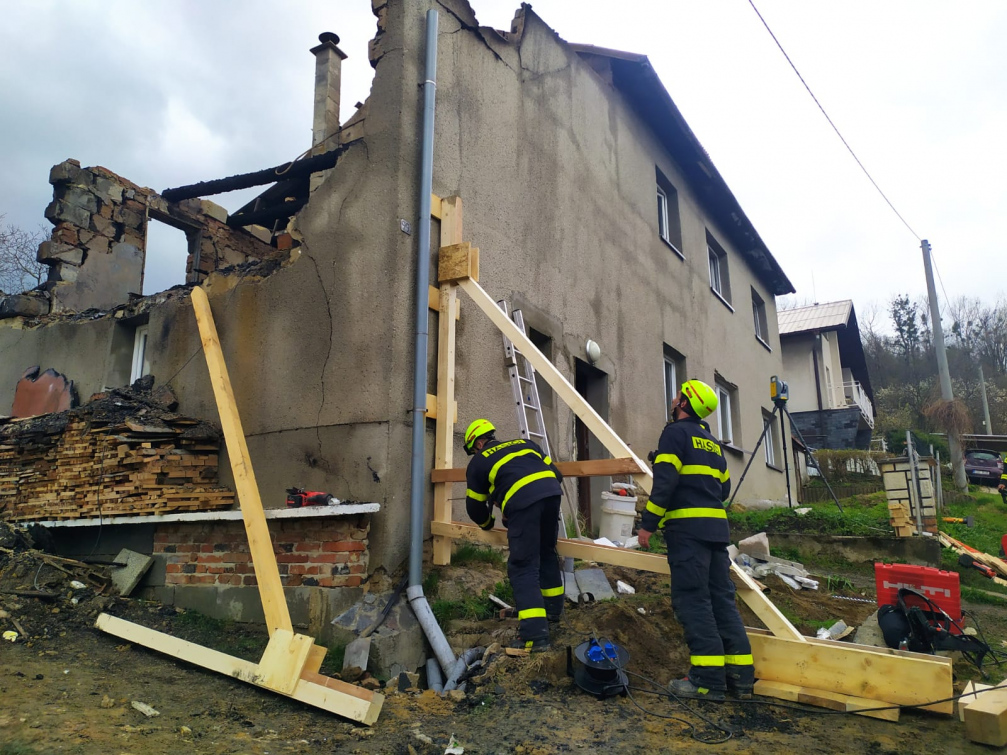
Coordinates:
833	314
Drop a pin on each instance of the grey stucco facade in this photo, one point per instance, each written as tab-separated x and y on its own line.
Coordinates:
557	170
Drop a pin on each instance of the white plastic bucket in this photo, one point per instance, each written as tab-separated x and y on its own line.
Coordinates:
617	516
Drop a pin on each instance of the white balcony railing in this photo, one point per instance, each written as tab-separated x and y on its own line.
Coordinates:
852	394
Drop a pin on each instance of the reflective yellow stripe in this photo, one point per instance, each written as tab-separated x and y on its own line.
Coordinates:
525	481
669	459
552	592
653	508
704	470
476	496
697	513
531	613
504	460
739	660
706	660
547	460
483	525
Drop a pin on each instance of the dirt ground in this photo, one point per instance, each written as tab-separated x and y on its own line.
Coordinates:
69	688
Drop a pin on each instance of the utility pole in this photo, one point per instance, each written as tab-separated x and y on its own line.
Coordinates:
986	404
957	461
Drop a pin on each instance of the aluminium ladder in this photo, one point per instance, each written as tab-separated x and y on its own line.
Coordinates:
527	403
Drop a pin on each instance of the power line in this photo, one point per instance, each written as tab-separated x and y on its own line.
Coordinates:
834	128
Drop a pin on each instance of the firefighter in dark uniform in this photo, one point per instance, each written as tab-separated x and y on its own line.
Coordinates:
691	482
1002	487
516	476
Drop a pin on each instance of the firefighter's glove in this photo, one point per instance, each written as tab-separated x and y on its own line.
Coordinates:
489	524
651	456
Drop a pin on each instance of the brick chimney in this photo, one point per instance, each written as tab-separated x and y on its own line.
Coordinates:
328	66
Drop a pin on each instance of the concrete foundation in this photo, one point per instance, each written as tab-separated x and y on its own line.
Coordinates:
922	551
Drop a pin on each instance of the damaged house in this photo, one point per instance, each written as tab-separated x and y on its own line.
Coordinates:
597	211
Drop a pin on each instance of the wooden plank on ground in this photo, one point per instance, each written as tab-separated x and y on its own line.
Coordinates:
822	699
986	718
588	468
260	545
283	661
360	705
748	589
853	670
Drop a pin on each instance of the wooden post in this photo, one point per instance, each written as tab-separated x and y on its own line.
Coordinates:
274	605
444	442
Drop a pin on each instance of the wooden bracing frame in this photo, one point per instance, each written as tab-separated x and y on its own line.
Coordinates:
857	676
289	666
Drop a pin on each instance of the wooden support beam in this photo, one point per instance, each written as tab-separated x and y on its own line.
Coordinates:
337	697
444	435
315	658
589	468
435	206
858	670
274	605
458	262
748	590
432	408
831	700
434	299
283	660
560	385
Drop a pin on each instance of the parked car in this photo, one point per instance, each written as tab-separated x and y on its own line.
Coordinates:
983	466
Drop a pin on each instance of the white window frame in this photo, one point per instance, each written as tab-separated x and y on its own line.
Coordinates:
759	315
662	214
724	403
770	440
716	280
141	360
670	388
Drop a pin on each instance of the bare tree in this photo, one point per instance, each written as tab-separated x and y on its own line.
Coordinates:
19	268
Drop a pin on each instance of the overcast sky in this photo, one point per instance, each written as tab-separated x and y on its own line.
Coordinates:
168	93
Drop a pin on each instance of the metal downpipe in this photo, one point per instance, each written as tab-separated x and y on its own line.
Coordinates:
417	477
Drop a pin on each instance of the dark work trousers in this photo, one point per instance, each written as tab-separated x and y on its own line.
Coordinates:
702	596
533	566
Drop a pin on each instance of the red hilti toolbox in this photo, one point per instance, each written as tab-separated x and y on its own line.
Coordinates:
940	586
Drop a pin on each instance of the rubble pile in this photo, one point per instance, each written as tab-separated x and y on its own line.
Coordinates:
123	453
40	593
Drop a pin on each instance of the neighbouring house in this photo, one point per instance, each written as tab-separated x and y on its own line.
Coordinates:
831	399
597	211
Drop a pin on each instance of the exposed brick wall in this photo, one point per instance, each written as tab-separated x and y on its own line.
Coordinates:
330	552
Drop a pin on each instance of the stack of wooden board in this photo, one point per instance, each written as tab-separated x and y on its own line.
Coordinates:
898	517
118	455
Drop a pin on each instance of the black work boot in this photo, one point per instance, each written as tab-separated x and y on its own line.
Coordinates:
739	691
740	682
685	688
532	646
554	618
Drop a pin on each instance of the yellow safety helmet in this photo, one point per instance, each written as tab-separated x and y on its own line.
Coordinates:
702	398
475	431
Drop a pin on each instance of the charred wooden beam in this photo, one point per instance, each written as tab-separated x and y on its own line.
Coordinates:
298	169
267	215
